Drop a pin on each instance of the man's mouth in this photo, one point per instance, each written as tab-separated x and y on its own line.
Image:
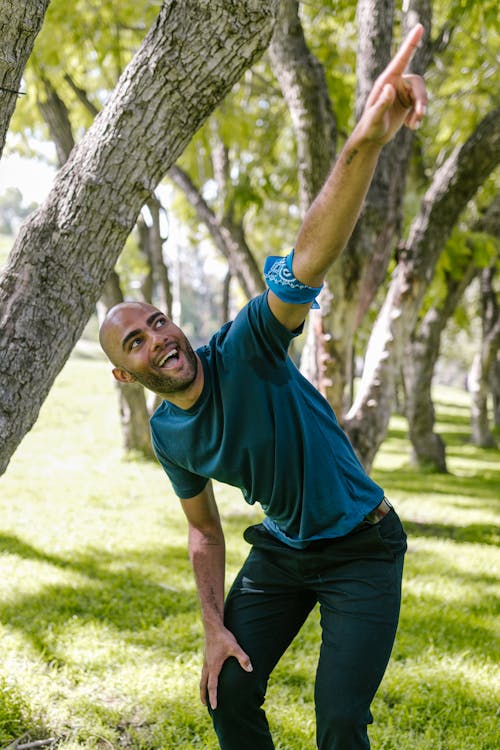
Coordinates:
170	359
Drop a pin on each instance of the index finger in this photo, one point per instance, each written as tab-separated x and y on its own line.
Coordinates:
405	53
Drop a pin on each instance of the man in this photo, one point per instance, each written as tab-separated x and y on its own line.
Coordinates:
237	410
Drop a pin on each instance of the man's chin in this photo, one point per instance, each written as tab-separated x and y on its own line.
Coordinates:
167	386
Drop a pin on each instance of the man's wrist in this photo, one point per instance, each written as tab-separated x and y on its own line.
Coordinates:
359	145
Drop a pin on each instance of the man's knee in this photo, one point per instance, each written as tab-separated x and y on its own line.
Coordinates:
237	689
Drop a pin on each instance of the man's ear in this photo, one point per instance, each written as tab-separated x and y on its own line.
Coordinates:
123	376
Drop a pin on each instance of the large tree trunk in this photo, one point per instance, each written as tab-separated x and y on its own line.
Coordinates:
453	186
20	23
64	252
484	360
419	361
134	416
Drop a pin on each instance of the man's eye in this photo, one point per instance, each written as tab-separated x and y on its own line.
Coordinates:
135	343
160	322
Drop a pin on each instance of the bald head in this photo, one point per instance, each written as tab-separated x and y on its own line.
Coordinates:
145	346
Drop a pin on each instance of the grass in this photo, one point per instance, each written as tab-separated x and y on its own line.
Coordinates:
101	638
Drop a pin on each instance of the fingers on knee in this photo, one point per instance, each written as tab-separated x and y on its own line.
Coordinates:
237	686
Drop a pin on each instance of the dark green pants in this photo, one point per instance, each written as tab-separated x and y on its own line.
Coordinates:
357	582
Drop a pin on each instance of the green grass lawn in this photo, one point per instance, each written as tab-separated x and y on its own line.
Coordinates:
101	638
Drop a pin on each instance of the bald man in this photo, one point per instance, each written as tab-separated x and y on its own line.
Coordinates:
237	410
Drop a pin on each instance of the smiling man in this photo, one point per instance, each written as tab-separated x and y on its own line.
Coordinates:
238	410
144	345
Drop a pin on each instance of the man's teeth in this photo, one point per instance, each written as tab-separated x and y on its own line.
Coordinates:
172	353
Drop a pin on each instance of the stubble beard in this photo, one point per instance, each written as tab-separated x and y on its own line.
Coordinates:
165	385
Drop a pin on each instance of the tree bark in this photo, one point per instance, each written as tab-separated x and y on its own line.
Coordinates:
302	81
453	186
20	23
162	290
419	361
134	416
495	390
484	360
56	116
63	254
303	84
422	351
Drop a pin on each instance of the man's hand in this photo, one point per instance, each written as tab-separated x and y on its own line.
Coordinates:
396	97
218	648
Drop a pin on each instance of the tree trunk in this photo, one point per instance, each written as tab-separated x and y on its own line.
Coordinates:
56	116
302	81
484	360
227	236
453	186
161	282
362	267
353	280
134	416
495	390
65	250
20	23
419	361
303	84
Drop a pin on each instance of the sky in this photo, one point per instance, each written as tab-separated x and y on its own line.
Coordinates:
32	177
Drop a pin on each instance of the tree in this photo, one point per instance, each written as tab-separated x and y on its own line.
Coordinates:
64	252
419	361
134	415
454	184
19	25
465	255
484	360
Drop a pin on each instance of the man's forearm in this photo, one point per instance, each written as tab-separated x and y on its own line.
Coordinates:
207	555
332	216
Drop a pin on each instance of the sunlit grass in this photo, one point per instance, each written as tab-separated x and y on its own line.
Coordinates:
101	637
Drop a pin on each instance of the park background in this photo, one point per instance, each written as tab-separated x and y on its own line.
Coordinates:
100	630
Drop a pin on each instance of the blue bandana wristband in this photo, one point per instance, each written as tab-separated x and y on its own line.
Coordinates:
280	279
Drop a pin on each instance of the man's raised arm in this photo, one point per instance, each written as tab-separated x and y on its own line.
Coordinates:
396	98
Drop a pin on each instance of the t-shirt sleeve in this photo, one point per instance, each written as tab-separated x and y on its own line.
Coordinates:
256	331
184	482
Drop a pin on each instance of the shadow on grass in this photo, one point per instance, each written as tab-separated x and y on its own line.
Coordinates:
124	599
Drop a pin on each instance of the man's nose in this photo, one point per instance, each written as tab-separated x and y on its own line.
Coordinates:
158	340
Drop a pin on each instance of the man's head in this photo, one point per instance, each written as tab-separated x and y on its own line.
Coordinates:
145	346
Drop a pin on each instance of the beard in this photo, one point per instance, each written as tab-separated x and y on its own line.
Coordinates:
164	384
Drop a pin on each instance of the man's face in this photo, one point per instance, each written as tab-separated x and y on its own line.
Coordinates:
146	346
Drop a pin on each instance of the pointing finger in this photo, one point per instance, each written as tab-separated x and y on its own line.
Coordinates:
405	53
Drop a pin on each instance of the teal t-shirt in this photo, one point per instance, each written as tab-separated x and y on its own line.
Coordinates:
261	426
